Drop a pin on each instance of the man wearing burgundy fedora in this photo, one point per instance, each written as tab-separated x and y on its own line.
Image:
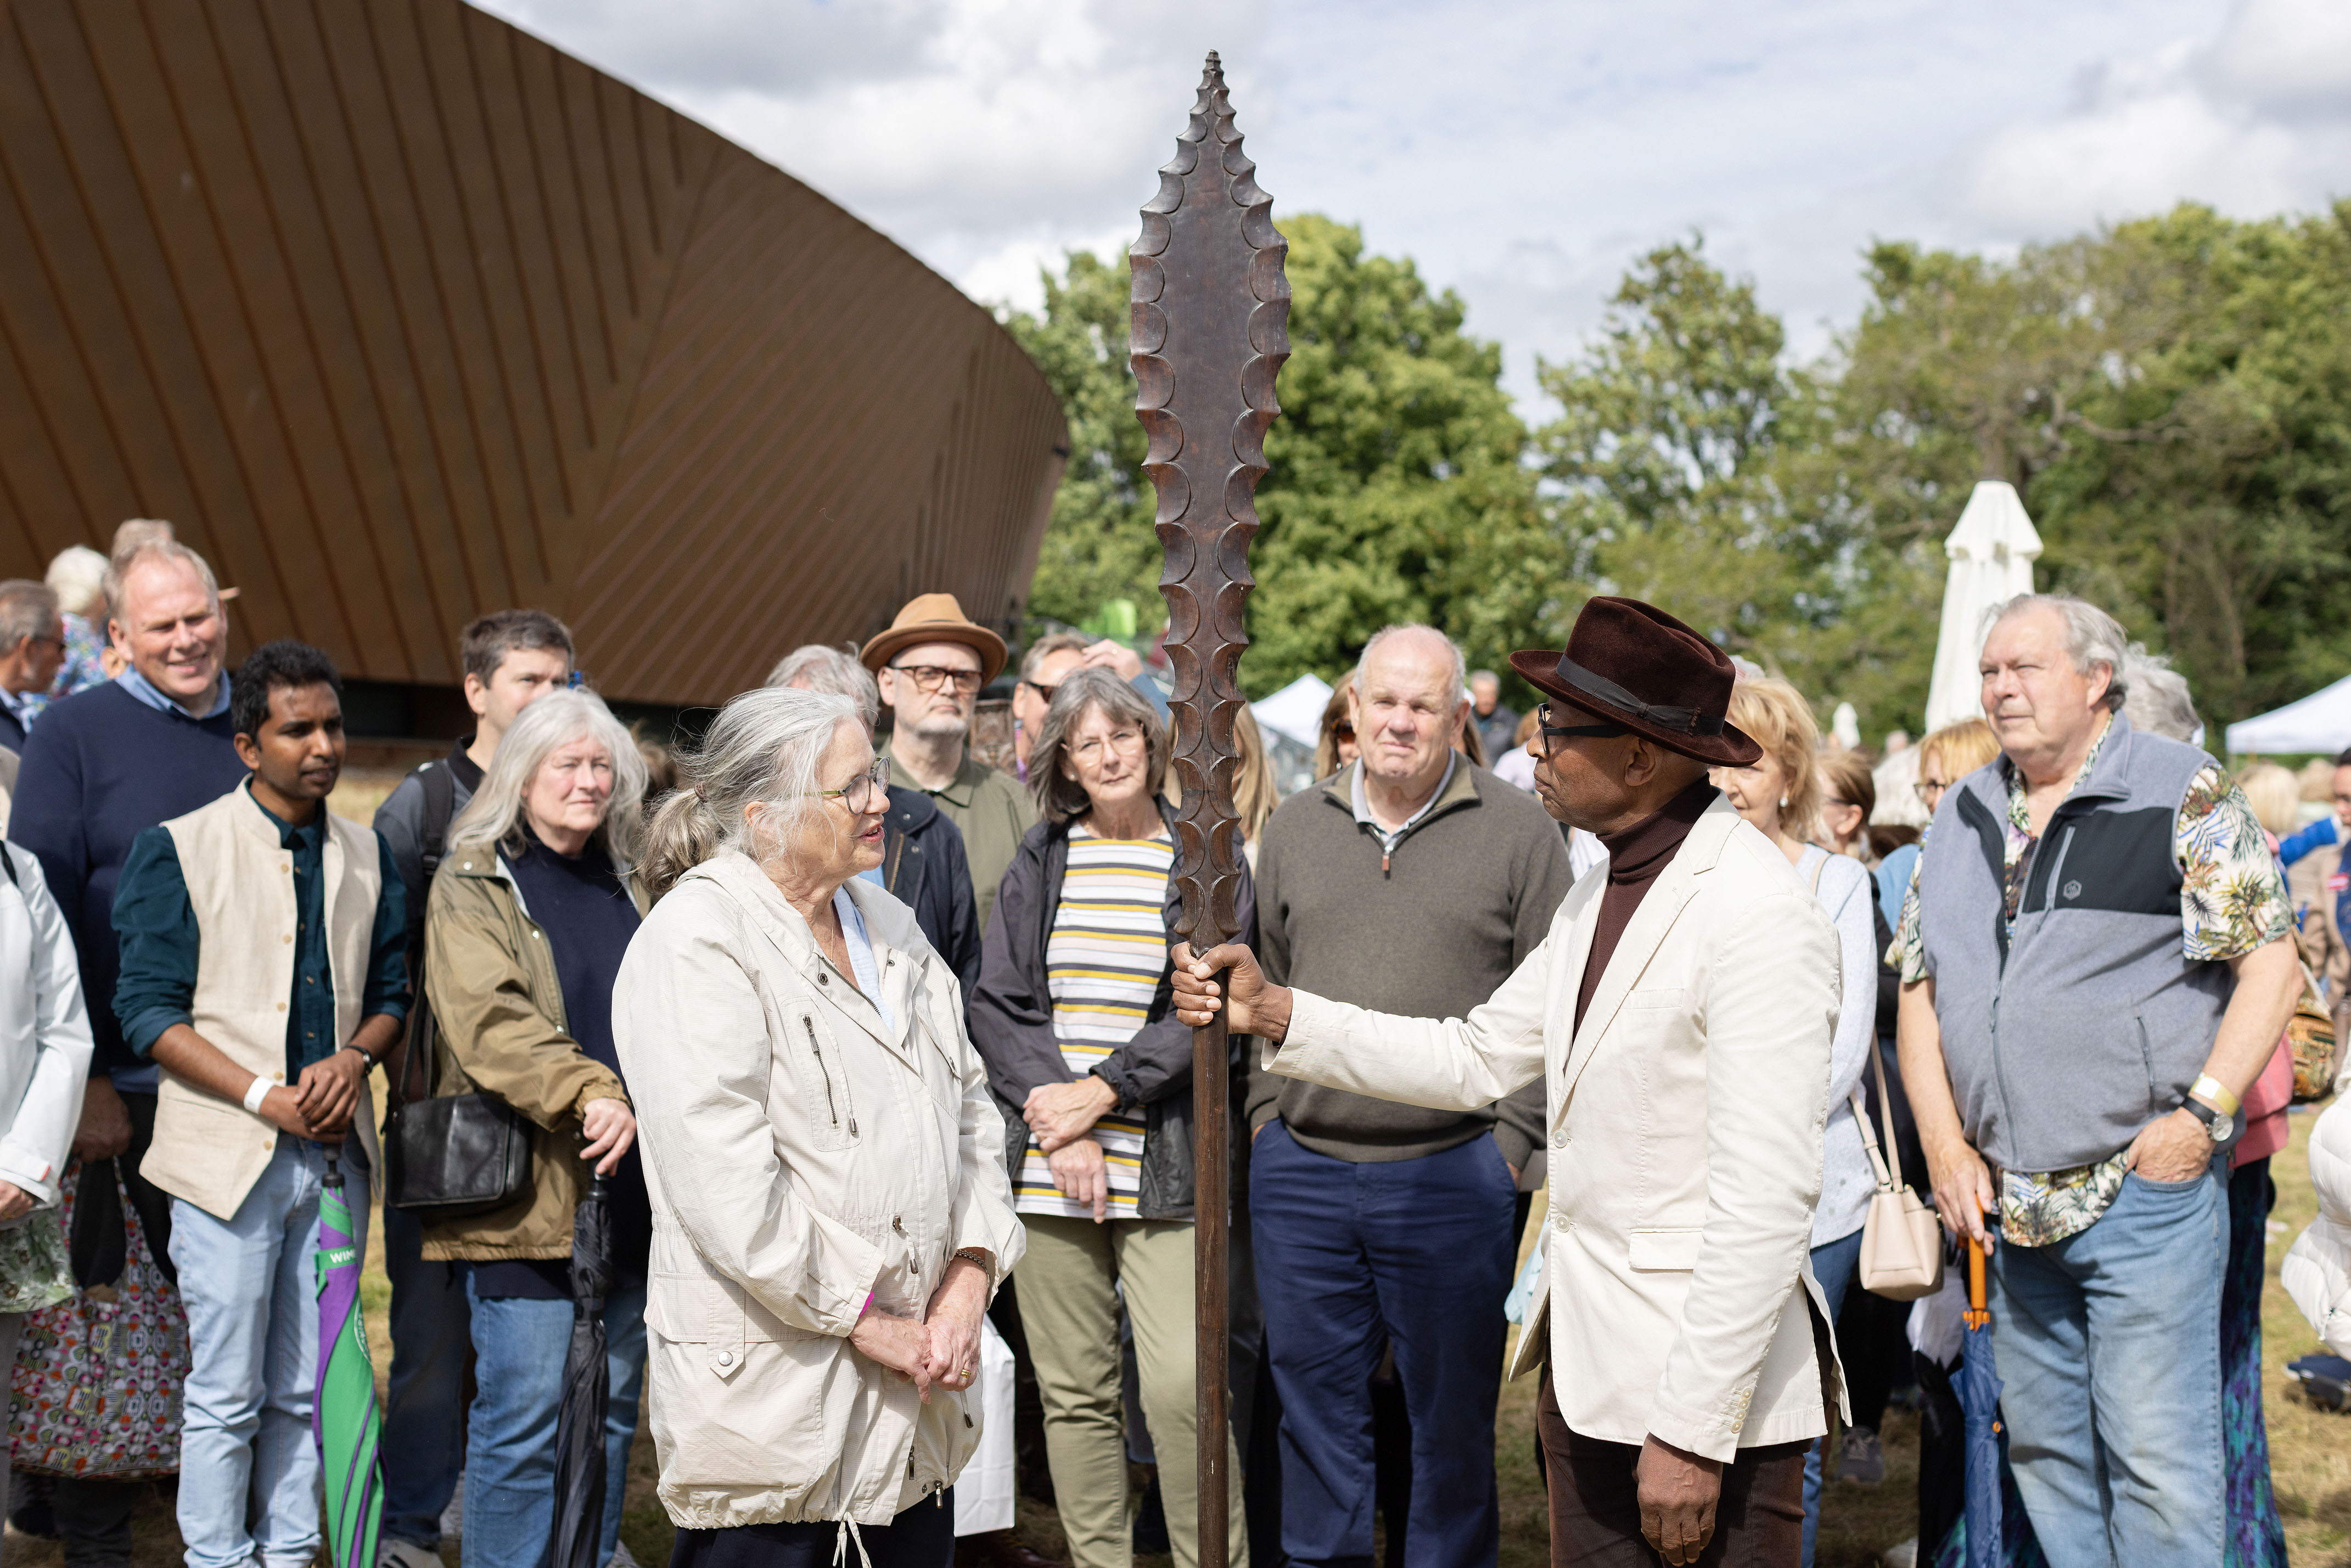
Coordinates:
1679	1015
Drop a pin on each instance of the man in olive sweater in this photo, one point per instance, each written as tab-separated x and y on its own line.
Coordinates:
1410	882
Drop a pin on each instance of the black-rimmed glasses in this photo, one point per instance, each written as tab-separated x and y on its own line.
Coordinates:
1549	731
929	678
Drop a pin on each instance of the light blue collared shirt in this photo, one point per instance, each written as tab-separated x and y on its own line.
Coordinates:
867	974
147	692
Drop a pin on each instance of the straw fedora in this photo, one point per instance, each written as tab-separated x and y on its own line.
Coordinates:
935	618
1632	664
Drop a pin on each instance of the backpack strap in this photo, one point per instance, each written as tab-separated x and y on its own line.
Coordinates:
440	787
9	865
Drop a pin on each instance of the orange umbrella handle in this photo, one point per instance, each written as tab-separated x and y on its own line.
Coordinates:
1977	1316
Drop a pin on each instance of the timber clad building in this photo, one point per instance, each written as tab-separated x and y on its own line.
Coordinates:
401	315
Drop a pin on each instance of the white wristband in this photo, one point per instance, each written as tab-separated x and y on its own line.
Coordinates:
256	1091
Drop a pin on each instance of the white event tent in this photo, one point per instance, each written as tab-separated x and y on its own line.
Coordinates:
2320	722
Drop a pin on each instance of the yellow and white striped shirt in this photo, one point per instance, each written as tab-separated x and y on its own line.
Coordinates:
1102	967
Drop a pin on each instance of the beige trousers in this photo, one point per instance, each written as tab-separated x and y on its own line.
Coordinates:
1071	1316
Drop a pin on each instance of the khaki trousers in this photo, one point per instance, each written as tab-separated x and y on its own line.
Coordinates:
1071	1313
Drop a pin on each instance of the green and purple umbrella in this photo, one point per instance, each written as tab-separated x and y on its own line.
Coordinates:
344	1417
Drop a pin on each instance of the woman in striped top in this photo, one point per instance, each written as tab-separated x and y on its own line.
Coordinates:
1093	1073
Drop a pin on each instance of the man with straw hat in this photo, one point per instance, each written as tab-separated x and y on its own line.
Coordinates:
1680	1014
931	664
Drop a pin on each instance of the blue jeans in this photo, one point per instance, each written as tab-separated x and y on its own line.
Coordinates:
1834	1263
250	1284
425	1419
1351	1259
2109	1345
519	1349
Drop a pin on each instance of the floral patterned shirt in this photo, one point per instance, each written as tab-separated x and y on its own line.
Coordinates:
2231	901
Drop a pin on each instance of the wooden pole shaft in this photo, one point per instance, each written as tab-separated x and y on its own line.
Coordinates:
1211	1255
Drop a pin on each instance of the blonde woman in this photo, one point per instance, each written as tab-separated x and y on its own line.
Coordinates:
527	918
1780	793
1254	795
1336	748
831	1213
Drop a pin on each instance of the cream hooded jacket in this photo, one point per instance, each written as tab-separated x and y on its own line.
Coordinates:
799	1154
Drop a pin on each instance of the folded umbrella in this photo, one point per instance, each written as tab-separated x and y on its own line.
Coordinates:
587	1391
343	1416
1977	1383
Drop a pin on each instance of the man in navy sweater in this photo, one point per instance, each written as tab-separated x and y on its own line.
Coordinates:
100	767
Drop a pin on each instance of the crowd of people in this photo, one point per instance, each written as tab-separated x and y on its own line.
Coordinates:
880	1058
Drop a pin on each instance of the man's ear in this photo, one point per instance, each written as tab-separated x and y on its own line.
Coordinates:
248	751
477	694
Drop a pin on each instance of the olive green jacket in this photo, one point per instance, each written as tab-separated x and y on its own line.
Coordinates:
994	812
499	1005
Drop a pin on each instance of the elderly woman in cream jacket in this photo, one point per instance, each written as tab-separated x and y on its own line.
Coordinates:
831	1210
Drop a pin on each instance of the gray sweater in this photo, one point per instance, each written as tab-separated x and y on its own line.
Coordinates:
1468	893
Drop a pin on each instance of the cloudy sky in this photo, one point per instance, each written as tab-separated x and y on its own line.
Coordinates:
1522	150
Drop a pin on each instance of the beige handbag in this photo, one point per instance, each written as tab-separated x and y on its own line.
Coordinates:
1902	1239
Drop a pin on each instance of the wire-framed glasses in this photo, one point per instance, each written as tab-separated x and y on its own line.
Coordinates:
868	792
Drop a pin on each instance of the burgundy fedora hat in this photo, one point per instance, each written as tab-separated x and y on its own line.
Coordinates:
1632	664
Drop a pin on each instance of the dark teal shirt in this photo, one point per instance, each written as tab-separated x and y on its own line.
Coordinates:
161	949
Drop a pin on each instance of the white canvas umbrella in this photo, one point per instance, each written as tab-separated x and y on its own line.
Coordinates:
1993	550
1295	711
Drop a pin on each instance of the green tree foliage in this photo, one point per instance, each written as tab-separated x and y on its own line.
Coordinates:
2172	397
1396	489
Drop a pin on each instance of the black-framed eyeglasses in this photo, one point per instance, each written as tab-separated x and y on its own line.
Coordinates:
1044	693
930	678
868	792
1550	731
1930	792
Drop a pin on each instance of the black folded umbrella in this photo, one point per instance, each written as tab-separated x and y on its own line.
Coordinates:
587	1391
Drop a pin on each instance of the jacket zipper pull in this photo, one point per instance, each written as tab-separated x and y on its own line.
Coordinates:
816	1050
1384	864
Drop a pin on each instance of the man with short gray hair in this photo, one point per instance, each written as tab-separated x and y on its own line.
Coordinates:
2096	960
1410	882
32	646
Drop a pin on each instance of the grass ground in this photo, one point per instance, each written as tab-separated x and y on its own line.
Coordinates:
2310	1450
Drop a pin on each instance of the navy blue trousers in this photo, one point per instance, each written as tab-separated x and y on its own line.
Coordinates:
1351	1259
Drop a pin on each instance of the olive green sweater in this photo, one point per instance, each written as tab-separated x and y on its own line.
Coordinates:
1466	896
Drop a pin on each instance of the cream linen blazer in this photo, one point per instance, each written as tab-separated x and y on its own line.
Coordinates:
1686	1122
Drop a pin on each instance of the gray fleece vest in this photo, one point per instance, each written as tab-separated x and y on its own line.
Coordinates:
2065	1038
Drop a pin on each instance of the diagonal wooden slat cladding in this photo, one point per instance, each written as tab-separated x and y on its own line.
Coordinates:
401	315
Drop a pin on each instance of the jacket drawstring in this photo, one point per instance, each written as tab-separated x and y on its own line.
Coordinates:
841	1539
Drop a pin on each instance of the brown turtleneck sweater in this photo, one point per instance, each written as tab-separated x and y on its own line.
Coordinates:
1636	857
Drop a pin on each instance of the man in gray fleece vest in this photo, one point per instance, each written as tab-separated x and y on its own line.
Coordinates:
2097	962
1414	883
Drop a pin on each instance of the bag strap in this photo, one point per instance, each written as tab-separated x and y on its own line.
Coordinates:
440	787
418	1074
8	864
1886	1179
1819	866
2316	993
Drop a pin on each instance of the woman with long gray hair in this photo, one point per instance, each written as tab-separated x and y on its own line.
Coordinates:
831	1213
524	929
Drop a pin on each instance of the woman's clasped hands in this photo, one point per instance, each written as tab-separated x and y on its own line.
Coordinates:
943	1348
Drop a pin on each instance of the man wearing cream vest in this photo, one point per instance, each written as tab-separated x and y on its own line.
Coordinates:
263	970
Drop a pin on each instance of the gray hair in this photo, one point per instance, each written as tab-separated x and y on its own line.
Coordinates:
2160	701
1051	642
77	574
1058	798
147	552
492	819
762	749
27	609
2093	637
1453	688
819	667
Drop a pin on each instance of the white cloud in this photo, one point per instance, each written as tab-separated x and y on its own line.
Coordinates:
1522	150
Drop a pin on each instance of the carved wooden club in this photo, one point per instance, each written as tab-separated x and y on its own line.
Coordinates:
1209	330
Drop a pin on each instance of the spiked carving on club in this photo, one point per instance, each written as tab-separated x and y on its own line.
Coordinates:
1209	332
